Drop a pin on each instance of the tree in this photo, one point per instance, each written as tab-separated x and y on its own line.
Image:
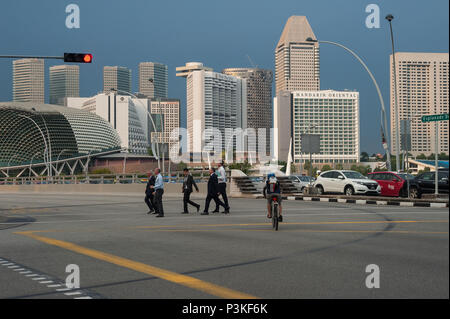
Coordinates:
364	157
339	166
326	167
244	167
421	157
361	168
443	156
181	166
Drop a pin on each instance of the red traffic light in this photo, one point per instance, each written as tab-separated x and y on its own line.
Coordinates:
87	58
78	57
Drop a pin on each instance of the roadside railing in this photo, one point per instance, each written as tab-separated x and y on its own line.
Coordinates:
177	177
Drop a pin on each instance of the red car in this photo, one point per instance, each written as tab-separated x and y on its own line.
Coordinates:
393	184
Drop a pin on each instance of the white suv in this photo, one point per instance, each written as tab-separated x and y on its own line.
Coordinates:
346	182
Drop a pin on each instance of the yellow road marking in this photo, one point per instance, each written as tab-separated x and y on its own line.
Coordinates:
298	230
296	223
180	279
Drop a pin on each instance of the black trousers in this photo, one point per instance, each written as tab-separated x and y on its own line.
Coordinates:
158	201
223	192
187	200
216	199
149	200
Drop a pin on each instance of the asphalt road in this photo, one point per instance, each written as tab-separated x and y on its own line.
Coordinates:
321	250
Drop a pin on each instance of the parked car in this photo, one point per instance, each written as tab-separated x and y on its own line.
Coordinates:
301	181
395	184
346	182
426	182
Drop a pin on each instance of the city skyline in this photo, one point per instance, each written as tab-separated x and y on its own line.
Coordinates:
200	44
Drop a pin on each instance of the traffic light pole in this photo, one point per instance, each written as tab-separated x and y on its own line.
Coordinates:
31	57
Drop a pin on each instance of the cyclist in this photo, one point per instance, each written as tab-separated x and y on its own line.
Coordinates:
272	188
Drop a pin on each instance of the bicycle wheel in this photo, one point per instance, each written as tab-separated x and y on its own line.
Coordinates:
275	217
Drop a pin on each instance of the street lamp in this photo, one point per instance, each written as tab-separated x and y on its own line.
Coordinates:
50	173
7	170
148	114
162	127
31	162
57	159
380	96
390	17
43	137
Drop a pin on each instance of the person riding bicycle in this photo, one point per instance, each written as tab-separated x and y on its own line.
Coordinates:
272	188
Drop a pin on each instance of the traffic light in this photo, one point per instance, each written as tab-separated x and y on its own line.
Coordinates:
78	57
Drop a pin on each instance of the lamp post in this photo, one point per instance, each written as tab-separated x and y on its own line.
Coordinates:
7	170
380	96
390	17
148	114
31	162
43	137
49	151
162	138
57	159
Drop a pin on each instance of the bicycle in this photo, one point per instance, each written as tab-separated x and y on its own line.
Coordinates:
274	207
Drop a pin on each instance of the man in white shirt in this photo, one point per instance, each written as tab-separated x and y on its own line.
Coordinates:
158	193
222	177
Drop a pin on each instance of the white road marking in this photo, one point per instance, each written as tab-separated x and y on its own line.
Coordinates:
72	293
53	286
25	272
31	275
12	267
8	264
39	278
19	269
86	297
63	289
45	282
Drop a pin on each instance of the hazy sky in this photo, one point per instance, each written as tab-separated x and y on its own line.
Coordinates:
221	34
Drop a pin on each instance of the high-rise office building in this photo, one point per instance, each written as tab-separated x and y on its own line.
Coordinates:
153	81
422	89
259	100
214	100
64	82
334	115
117	78
296	59
28	80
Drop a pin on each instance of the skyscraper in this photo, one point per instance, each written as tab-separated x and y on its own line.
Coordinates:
259	99
297	60
64	82
28	80
157	73
118	78
214	100
422	89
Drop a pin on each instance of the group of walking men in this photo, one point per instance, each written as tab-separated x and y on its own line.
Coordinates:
217	186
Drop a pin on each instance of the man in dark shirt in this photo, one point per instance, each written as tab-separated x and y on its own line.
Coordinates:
149	197
213	192
188	183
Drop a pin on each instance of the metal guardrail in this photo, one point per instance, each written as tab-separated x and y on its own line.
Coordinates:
177	177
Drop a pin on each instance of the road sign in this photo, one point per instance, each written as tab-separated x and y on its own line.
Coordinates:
435	117
310	143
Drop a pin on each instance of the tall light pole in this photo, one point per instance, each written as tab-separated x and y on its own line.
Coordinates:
390	17
50	173
31	162
43	137
57	159
148	114
380	96
9	162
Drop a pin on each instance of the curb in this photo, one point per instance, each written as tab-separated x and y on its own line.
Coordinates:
368	202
